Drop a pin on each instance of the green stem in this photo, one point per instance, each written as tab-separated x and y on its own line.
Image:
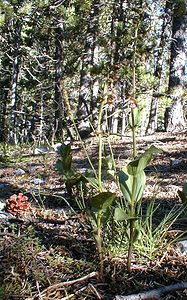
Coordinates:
99	129
84	148
134	93
99	240
129	256
100	163
133	135
132	222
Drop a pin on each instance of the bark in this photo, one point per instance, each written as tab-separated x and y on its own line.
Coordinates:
87	97
58	101
152	123
174	116
4	122
117	83
14	85
155	294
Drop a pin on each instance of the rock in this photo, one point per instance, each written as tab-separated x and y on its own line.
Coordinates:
183	246
57	146
2	205
3	185
19	172
175	163
37	181
41	150
5	215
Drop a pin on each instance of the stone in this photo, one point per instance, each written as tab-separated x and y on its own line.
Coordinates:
19	172
37	181
3	185
2	205
57	146
183	246
41	150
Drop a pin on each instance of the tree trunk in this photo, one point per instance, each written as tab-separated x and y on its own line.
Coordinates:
174	115
152	123
14	85
88	99
58	101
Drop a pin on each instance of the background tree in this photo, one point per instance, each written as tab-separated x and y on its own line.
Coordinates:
174	115
56	57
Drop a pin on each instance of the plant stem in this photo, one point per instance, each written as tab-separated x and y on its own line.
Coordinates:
99	241
132	205
71	116
133	135
84	148
134	93
132	222
99	129
100	163
129	256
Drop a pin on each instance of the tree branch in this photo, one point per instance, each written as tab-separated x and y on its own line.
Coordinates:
156	293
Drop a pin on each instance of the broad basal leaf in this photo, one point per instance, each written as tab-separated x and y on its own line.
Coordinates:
102	200
140	163
132	186
119	214
183	194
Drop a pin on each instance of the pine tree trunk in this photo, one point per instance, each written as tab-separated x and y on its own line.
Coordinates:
87	98
14	85
152	123
174	115
58	101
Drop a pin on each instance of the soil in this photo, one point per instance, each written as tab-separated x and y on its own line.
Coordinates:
72	238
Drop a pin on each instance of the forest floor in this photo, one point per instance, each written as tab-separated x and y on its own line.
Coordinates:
53	256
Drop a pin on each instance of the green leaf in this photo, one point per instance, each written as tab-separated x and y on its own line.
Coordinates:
93	182
111	173
67	163
153	150
102	200
126	183
140	163
65	150
119	214
185	188
70	182
59	167
136	113
183	194
108	162
66	158
132	186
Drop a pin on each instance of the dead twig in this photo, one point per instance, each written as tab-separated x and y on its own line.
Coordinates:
156	293
7	234
36	220
67	283
73	295
95	291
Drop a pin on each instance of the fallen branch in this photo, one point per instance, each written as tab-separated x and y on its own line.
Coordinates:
35	221
7	234
67	283
156	293
75	294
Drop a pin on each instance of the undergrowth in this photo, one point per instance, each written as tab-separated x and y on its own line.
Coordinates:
26	264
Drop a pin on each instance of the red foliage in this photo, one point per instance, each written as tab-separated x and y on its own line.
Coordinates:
18	205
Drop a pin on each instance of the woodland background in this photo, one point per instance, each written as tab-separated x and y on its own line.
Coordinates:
60	59
87	88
